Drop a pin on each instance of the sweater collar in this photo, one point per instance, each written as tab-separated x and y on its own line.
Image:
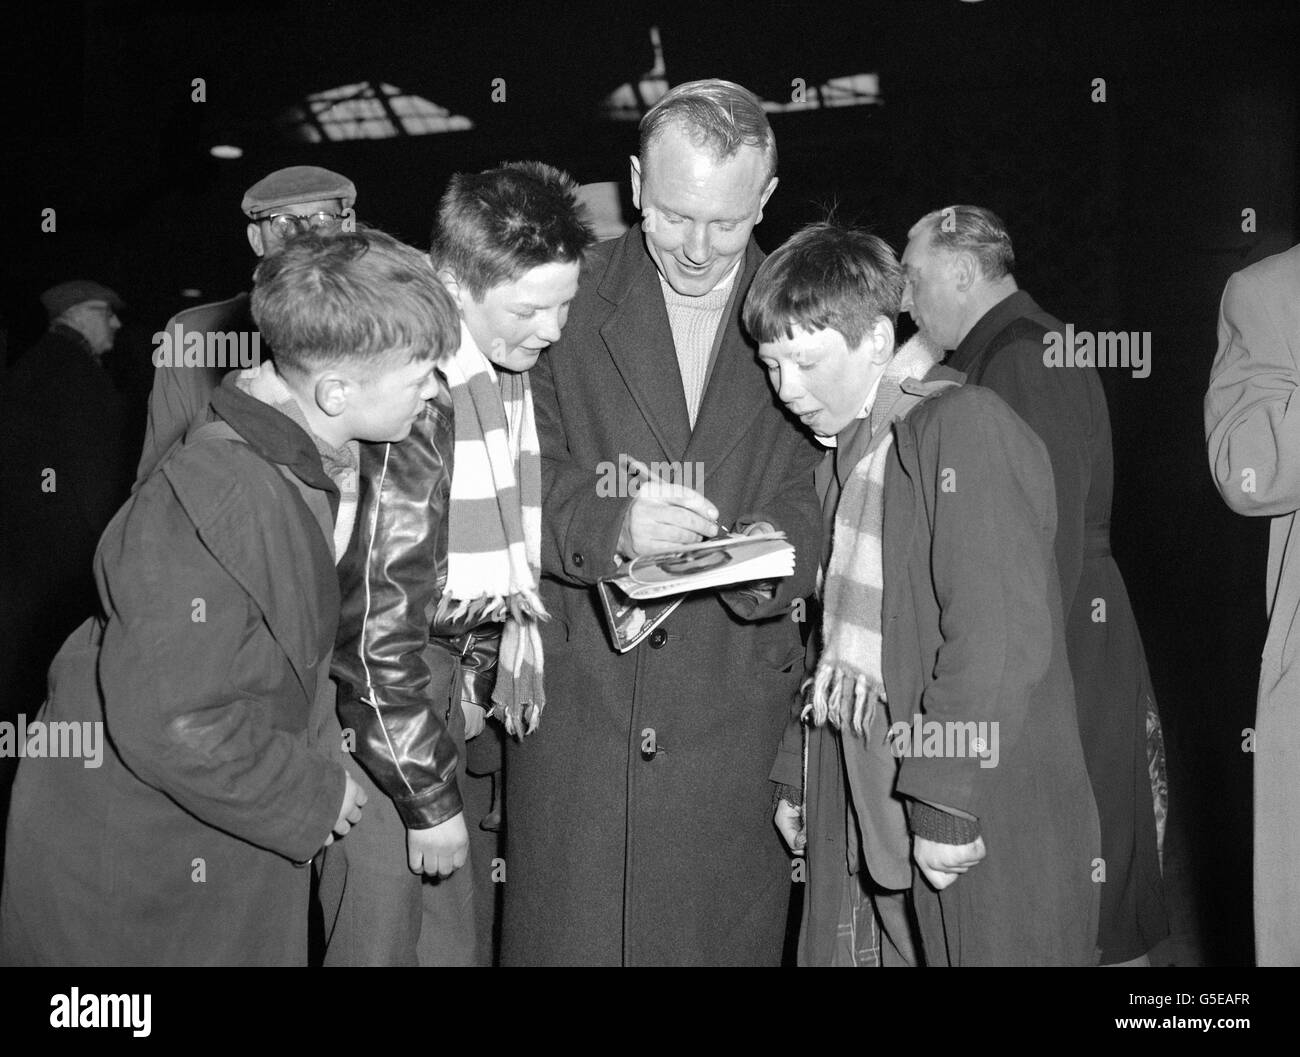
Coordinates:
714	300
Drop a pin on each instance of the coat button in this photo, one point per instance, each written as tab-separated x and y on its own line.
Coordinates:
657	638
577	560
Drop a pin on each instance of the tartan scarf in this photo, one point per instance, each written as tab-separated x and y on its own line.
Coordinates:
495	523
849	681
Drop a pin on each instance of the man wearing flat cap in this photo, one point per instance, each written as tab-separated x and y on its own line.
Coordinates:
59	391
88	309
278	206
66	469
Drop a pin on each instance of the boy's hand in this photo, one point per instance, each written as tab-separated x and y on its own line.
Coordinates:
790	824
354	799
439	851
943	863
475	718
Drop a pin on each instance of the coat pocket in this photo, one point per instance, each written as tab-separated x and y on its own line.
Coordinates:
779	647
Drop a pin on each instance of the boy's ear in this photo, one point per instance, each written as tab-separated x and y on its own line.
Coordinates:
452	285
882	340
255	239
331	394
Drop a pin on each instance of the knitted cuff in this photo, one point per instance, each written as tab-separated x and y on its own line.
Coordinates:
940	826
791	793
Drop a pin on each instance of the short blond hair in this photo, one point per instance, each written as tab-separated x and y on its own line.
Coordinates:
720	115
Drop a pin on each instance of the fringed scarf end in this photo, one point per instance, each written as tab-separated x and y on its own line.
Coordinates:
842	697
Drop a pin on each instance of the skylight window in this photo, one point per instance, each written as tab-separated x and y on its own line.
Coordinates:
369	111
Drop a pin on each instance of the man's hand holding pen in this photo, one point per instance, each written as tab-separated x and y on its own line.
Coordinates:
664	515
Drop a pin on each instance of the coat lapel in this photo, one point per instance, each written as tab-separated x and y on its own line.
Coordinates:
293	611
640	342
853	443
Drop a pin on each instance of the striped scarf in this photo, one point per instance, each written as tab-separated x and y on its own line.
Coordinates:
849	681
495	523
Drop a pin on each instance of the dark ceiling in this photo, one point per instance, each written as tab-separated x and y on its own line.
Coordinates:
106	132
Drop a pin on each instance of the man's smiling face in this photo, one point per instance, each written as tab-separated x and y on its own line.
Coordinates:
698	210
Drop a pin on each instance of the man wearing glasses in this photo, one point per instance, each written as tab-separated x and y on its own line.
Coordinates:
278	206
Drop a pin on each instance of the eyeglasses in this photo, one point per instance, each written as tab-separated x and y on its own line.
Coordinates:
287	224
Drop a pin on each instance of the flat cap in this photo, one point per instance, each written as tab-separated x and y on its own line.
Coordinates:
58	299
298	183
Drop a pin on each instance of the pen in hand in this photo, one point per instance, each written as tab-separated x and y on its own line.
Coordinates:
644	471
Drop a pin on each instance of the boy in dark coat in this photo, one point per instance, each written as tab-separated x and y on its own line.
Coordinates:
942	682
186	840
963	295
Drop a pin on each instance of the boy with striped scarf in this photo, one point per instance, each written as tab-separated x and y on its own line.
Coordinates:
941	614
443	565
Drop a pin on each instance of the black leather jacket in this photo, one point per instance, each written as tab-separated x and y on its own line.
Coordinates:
400	665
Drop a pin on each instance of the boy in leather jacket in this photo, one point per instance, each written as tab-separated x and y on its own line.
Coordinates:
419	633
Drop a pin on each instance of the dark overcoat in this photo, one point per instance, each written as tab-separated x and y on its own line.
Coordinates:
639	816
973	632
64	471
210	676
1066	407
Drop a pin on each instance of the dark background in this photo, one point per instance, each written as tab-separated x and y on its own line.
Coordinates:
1126	215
